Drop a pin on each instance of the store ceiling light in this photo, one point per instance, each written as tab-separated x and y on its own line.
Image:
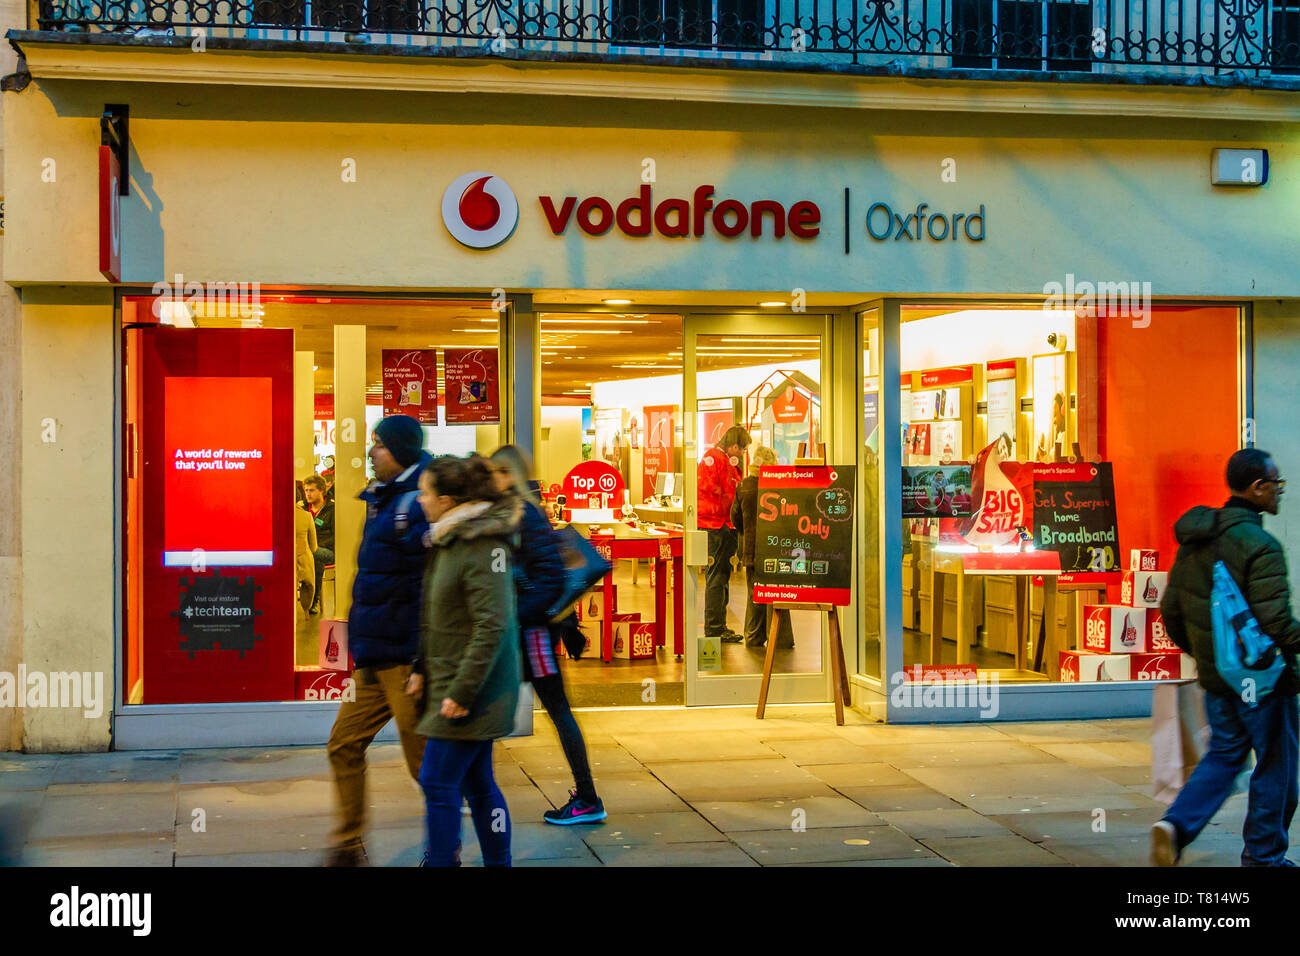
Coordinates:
772	305
621	320
676	367
585	331
617	301
753	348
781	340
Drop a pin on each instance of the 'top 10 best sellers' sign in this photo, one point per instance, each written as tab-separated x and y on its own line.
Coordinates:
803	541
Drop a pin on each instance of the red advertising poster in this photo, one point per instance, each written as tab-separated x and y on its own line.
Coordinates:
110	215
212	542
593	484
473	387
660	434
713	417
411	384
324	409
217	487
1003	496
791	406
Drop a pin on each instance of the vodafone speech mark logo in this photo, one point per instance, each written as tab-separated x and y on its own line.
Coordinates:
480	210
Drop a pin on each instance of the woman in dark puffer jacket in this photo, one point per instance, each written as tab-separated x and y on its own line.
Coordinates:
539	583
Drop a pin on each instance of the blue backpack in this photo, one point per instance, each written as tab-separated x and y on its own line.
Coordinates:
1244	656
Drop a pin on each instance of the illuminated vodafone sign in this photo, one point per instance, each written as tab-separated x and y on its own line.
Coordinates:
480	211
677	218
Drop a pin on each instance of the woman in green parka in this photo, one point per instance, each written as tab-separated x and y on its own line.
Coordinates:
469	672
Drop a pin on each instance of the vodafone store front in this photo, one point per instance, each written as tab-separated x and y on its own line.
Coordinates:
980	373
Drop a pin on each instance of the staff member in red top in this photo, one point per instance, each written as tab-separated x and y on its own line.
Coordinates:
717	476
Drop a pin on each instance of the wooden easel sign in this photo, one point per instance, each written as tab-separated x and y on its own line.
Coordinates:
803	555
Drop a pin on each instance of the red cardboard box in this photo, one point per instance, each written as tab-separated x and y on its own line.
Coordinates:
1143	588
334	654
312	683
1083	667
634	640
1114	629
1158	640
1176	666
1142	560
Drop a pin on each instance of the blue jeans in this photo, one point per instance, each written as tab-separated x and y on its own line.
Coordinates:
453	769
1235	729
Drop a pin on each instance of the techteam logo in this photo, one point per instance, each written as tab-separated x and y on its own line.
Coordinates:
480	210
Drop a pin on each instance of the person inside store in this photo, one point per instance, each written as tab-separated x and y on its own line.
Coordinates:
383	626
539	584
321	510
744	515
1240	720
467	678
304	547
717	477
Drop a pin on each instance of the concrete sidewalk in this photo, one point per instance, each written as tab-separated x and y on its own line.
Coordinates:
711	787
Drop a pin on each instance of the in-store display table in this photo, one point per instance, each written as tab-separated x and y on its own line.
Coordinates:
1024	566
660	547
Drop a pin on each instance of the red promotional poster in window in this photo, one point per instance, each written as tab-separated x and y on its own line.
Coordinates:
218	471
473	387
411	384
791	406
660	429
209	539
1002	494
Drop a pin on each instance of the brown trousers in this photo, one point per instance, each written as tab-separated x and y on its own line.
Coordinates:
358	721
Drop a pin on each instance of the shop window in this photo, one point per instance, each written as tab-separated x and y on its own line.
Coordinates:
1022	34
1038	442
248	419
713	24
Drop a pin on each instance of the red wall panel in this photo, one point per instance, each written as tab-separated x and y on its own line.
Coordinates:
1169	418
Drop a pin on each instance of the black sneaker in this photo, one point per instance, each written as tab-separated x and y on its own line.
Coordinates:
576	811
731	637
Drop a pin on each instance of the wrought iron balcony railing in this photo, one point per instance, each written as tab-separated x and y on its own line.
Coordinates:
1256	37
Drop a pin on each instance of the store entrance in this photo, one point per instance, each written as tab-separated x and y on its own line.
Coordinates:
763	382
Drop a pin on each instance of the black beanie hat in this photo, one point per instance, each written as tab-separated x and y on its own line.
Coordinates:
403	437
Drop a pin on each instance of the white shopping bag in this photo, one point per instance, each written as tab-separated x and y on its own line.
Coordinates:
1180	736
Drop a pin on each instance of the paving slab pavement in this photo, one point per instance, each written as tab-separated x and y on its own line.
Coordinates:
697	787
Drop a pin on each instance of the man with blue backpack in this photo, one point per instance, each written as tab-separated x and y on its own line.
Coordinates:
1228	604
383	627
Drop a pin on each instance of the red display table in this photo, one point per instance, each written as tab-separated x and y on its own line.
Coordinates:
659	548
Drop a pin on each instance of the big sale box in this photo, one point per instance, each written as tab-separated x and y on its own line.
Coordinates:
1084	667
634	640
1114	629
1143	588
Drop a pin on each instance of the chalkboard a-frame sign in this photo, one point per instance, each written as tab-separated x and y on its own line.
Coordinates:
803	544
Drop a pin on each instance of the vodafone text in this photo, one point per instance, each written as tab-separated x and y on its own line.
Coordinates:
76	909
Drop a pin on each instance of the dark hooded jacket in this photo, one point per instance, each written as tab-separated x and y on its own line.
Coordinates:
384	621
470	638
1234	534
